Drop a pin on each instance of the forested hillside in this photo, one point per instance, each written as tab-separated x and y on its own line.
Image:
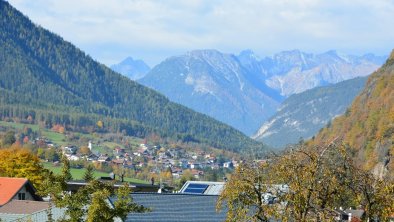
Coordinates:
368	125
302	115
46	79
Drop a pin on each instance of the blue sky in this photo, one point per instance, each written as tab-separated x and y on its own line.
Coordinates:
152	30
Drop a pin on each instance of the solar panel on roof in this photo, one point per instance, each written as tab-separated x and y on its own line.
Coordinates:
196	188
201	186
195	191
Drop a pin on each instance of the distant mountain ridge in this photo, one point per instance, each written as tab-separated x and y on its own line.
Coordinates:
133	69
53	82
302	115
290	72
213	83
244	91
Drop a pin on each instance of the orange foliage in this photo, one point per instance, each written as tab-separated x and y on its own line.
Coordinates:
370	122
58	128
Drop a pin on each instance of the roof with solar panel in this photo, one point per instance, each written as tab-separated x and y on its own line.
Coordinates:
202	187
196	201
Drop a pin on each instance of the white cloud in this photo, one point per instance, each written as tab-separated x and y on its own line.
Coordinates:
154	29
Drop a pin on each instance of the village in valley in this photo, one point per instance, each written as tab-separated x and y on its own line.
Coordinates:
158	159
151	162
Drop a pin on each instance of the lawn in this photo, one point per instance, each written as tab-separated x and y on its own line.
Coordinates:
77	174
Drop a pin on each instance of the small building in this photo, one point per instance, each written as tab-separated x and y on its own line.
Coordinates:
118	161
119	151
92	157
70	150
73	157
104	158
349	215
197	173
228	164
16	189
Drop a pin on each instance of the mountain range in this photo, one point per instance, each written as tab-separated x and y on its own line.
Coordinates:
50	80
213	83
294	71
244	90
302	115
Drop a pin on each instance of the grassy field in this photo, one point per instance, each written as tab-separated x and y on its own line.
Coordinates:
77	174
55	137
112	145
19	125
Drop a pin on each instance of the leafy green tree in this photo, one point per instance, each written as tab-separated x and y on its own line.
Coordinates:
9	139
51	154
99	211
89	203
124	203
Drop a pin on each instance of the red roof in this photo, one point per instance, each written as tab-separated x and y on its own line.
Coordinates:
9	187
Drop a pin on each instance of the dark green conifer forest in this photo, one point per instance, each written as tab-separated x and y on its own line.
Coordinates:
53	82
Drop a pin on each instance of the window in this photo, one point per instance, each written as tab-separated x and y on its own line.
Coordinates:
21	196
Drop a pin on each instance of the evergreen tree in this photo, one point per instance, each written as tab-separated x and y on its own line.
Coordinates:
89	173
66	174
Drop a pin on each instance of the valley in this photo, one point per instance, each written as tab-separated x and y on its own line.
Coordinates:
145	111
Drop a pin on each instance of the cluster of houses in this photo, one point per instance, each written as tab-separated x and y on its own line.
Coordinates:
160	159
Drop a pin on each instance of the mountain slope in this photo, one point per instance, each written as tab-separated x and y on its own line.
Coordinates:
215	84
368	125
133	69
302	115
294	71
42	73
244	90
